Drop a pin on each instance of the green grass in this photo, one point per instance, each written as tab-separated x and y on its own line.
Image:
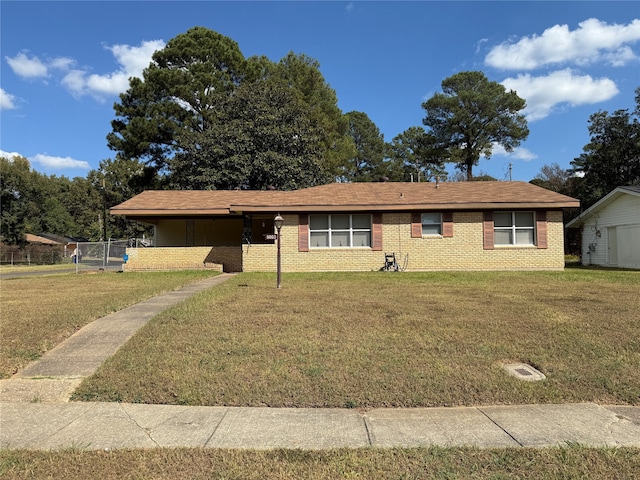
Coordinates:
387	340
419	463
39	312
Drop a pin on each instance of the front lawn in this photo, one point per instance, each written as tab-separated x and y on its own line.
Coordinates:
387	340
38	312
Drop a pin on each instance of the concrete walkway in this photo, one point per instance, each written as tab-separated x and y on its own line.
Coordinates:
35	412
55	376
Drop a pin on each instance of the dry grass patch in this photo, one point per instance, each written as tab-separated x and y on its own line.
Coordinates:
435	462
387	340
39	312
7	269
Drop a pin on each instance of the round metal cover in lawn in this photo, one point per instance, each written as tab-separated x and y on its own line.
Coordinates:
524	371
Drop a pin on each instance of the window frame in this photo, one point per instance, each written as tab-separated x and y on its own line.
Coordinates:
513	229
350	230
439	224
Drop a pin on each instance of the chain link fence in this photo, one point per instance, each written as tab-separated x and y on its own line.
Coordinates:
107	255
32	255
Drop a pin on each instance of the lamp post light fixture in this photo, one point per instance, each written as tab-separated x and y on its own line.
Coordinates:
278	221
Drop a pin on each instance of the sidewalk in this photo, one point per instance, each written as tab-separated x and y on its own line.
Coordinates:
114	425
35	412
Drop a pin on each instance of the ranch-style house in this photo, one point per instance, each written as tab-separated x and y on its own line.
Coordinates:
354	227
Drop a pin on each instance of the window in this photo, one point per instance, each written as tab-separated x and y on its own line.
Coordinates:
514	228
335	231
431	224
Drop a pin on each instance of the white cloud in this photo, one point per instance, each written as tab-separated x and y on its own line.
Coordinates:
135	59
75	82
62	63
48	161
9	155
350	7
592	42
518	153
111	84
79	81
26	67
132	61
544	93
59	162
7	101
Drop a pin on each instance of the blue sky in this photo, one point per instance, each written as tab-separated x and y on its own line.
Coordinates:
63	64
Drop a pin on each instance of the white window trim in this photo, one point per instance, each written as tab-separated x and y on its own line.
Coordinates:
351	231
514	229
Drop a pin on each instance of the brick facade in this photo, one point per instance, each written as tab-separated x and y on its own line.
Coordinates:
228	259
462	251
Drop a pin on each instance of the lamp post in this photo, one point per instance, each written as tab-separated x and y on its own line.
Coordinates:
278	221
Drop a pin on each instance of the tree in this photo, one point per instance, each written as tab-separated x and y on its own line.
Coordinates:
554	178
176	118
368	162
612	157
302	73
417	154
32	202
83	202
184	81
54	216
460	176
15	189
115	181
263	136
471	115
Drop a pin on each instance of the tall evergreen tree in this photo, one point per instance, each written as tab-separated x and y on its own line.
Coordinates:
471	115
263	136
418	155
302	73
370	149
176	118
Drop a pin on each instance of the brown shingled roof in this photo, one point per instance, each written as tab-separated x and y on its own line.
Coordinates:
389	196
31	238
193	202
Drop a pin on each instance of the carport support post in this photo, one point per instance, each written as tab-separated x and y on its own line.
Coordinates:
278	221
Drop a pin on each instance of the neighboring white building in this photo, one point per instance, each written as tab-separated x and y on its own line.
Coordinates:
611	230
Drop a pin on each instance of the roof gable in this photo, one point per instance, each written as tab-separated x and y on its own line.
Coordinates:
603	203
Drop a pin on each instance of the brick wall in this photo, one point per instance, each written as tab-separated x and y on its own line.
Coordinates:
463	251
228	259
